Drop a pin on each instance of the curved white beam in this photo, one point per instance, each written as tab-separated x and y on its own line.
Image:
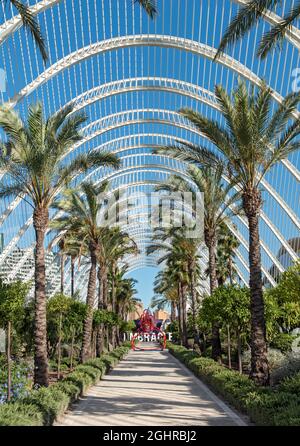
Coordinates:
11	245
13	24
159	84
133	41
131	117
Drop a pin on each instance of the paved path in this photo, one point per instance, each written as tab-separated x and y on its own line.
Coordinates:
150	388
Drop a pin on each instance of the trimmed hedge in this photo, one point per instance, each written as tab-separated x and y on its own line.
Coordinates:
278	406
45	405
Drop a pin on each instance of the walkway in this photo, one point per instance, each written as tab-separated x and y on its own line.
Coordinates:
150	388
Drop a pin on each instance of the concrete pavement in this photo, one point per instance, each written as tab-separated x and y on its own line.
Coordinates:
150	388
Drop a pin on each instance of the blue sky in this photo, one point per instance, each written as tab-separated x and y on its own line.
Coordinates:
200	21
145	277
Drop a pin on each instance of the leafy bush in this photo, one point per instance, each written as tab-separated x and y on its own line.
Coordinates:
20	371
19	414
283	342
94	373
99	364
43	406
70	389
275	358
289	366
279	406
51	401
80	379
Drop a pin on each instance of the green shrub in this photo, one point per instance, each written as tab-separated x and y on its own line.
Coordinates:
70	389
99	364
91	371
279	406
20	414
80	379
43	406
51	401
283	342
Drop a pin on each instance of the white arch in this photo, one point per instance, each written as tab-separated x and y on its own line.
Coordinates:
133	41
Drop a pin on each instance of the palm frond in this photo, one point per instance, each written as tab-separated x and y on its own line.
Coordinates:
274	38
244	20
30	22
149	6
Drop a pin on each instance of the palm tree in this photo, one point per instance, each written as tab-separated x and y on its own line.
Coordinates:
248	16
165	293
124	296
226	246
217	204
179	253
30	23
32	157
149	6
82	209
69	246
121	246
251	143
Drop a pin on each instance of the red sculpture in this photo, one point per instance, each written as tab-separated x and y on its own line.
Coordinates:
148	330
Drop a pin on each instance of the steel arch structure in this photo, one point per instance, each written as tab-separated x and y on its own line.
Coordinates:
131	75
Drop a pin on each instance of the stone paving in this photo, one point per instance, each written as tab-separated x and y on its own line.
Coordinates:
150	388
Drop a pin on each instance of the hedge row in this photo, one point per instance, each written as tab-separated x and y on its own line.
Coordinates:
45	405
277	406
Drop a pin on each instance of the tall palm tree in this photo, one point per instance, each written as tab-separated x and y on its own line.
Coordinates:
32	158
247	17
177	254
217	204
252	141
226	246
82	208
69	246
165	293
121	245
124	296
149	6
30	23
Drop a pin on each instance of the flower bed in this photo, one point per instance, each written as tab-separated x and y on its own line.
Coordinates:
45	405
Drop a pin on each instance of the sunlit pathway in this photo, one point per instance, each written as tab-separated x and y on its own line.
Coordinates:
146	389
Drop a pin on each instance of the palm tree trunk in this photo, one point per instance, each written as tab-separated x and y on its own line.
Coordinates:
59	346
179	311
252	202
113	303
62	273
229	346
8	358
90	300
102	277
72	275
173	311
194	302
239	351
184	316
72	348
211	243
40	223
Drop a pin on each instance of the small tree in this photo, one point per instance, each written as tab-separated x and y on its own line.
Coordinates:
285	299
235	302
57	308
229	306
12	300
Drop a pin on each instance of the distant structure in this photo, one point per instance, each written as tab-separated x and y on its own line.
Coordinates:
284	258
161	315
18	265
137	312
